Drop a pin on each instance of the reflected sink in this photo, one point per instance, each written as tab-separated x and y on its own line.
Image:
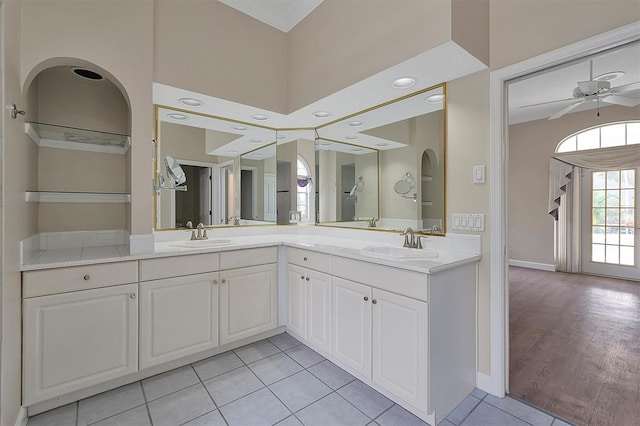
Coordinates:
201	243
398	253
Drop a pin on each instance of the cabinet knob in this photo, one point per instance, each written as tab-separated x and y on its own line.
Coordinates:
305	259
224	280
302	277
374	301
86	277
132	295
366	298
215	282
307	278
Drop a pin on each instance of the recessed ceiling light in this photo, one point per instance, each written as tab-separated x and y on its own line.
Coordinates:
85	73
356	149
382	144
321	114
403	82
355	123
256	141
192	102
260	117
435	99
325	143
351	137
239	128
177	116
610	76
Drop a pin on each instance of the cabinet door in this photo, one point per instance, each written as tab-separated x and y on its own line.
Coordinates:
400	346
297	315
319	310
351	324
75	340
178	317
248	302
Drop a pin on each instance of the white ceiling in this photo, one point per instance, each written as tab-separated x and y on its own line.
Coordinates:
280	14
558	84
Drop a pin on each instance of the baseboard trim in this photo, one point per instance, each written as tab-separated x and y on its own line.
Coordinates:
532	265
22	418
488	384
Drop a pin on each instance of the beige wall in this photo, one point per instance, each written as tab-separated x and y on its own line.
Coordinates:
468	146
208	47
531	144
522	29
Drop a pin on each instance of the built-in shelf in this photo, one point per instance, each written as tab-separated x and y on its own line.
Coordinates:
427	178
76	197
52	136
427	203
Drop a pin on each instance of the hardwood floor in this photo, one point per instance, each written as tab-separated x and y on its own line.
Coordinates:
575	345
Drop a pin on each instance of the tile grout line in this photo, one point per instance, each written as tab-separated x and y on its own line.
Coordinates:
469	413
146	403
215	404
514	415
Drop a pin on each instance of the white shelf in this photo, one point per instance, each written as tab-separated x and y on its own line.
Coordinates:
51	136
427	178
427	203
76	197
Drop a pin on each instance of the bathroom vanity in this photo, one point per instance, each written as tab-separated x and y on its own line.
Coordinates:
404	325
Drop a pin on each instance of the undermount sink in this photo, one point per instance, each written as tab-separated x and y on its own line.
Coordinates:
398	253
201	243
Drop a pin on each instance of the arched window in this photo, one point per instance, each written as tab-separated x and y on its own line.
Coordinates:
304	189
607	136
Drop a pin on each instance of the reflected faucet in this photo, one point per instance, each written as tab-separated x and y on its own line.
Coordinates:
372	222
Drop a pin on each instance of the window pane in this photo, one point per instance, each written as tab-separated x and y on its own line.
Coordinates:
627	255
597	234
627	236
627	217
612	254
598	217
633	133
597	253
628	179
568	145
613	180
627	198
613	235
613	217
598	180
598	198
589	139
612	135
613	198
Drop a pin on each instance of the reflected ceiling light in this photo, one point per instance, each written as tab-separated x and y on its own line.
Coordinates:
321	114
256	141
382	144
192	102
610	76
403	83
260	117
281	137
355	123
232	151
356	149
351	137
177	116
325	143
239	128
435	99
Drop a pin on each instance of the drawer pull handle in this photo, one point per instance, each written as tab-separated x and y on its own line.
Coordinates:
224	280
305	259
366	298
87	277
215	282
307	278
374	301
133	295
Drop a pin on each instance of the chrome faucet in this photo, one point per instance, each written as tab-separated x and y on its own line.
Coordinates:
234	220
372	222
410	239
201	235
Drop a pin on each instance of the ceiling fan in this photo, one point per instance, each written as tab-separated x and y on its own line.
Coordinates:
598	90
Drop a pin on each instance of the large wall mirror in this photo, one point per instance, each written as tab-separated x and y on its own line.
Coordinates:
230	170
407	139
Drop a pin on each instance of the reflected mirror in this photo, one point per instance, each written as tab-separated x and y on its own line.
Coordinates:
408	135
213	154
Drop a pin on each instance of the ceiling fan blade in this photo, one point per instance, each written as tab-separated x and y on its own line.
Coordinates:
565	110
621	100
549	102
626	87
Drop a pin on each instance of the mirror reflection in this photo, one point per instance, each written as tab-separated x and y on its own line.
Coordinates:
215	156
409	137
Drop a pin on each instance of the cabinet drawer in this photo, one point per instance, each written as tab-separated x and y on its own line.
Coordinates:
177	266
399	281
63	280
249	257
309	259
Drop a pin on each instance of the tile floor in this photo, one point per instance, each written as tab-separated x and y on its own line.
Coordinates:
274	381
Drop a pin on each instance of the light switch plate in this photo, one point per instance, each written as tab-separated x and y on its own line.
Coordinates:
468	222
478	174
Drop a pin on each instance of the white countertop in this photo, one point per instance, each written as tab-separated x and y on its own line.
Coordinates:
344	247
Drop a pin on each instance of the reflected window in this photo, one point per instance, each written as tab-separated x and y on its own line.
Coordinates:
303	188
607	136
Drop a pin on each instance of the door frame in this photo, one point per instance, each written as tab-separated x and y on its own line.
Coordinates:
172	194
496	382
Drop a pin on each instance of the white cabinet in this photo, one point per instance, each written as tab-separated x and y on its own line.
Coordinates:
248	302
309	303
178	317
78	339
